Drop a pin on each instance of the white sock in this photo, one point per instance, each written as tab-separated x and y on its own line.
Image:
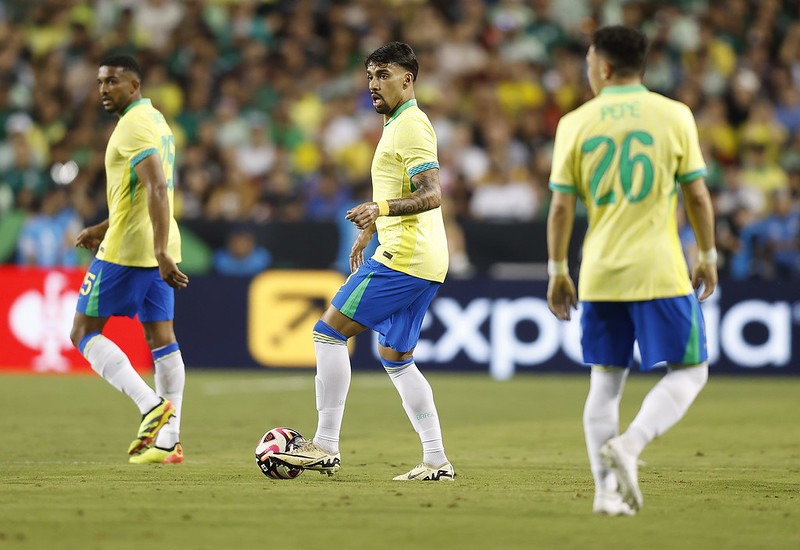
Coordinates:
332	382
170	378
666	403
601	420
113	365
417	396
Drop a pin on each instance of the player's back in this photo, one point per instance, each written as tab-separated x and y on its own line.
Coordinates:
630	147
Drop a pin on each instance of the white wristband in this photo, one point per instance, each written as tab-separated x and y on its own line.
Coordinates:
557	268
707	256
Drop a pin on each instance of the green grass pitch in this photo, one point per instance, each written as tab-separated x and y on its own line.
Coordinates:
726	477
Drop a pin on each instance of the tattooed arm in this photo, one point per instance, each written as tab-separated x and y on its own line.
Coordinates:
427	196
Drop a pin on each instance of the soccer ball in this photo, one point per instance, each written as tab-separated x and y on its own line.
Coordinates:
275	441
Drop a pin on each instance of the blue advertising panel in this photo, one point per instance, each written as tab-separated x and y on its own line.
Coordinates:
495	326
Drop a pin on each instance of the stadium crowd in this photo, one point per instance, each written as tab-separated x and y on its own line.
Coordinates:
273	122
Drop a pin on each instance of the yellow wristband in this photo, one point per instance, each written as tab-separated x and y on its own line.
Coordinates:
383	207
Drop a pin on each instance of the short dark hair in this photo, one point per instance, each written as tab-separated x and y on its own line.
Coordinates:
398	53
125	61
624	48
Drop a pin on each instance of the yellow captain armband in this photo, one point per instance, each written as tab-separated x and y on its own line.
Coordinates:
557	268
383	207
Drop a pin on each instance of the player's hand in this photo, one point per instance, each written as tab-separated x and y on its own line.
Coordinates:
169	271
363	215
561	296
357	252
91	237
707	275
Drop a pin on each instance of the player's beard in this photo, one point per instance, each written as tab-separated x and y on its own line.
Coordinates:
382	108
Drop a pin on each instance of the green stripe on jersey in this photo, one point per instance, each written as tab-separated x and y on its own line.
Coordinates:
136	160
94	297
562	188
691	176
351	305
692	354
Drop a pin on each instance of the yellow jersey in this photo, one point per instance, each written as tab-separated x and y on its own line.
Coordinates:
140	132
624	153
414	244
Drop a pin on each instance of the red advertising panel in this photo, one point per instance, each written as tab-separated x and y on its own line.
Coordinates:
36	311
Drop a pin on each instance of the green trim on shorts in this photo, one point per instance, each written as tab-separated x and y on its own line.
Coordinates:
351	305
92	306
692	354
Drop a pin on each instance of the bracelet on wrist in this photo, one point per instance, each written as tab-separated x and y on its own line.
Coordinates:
707	256
559	267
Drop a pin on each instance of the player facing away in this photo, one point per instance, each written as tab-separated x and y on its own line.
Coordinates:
135	270
391	291
624	153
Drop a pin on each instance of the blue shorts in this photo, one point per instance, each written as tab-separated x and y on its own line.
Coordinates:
669	330
118	290
387	301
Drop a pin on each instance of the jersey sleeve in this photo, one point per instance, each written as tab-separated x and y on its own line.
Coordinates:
138	141
562	176
415	146
691	165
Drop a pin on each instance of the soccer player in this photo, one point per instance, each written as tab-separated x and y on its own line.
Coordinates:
135	269
625	153
391	291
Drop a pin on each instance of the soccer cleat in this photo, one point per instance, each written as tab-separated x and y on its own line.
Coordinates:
426	472
310	456
152	422
626	468
611	504
157	455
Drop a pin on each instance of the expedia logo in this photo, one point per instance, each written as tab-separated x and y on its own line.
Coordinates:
486	331
283	307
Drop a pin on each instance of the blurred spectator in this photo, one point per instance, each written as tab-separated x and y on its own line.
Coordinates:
241	255
47	238
506	193
270	97
327	196
257	158
154	21
779	238
760	173
20	168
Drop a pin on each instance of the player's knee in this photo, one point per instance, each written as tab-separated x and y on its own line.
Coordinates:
150	339
158	334
696	375
396	367
699	374
75	335
78	333
325	334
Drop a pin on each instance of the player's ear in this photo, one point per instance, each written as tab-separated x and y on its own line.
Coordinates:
605	69
408	80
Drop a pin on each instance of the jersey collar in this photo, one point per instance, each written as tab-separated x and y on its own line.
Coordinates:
400	109
623	89
143	101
